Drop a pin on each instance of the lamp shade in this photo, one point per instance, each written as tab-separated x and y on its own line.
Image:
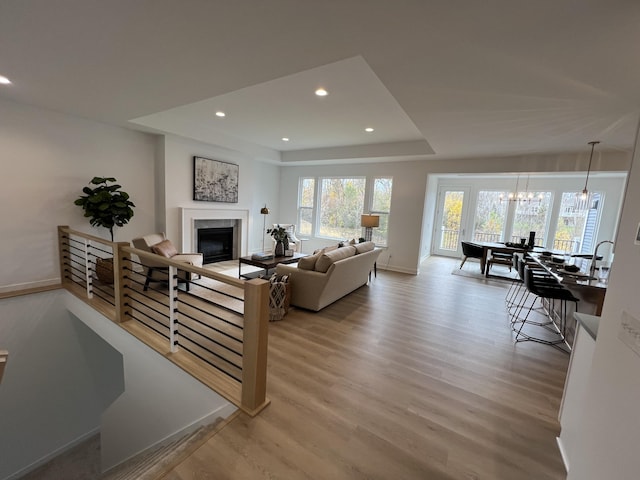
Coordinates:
369	221
264	210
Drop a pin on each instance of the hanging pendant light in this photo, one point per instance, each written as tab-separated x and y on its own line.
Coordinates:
585	192
512	196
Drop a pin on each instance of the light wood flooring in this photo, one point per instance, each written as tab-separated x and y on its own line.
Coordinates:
411	377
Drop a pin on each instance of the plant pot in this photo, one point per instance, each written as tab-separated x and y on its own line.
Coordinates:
279	252
104	270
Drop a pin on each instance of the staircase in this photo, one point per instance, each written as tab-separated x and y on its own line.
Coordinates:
83	461
151	465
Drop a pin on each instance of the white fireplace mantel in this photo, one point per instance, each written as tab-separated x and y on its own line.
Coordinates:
190	215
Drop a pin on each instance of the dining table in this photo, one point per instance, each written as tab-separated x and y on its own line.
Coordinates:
488	247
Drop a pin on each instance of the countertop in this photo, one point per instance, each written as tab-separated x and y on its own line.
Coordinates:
589	322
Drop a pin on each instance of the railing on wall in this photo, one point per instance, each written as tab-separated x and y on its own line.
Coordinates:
212	325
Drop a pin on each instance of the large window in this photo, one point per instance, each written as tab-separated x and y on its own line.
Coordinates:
491	216
306	202
381	206
532	216
331	207
576	222
341	204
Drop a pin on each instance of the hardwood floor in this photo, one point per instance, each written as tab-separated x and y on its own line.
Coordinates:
411	377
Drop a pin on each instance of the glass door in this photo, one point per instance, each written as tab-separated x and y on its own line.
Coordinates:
451	220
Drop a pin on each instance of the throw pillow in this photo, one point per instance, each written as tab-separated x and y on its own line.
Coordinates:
309	262
364	247
165	248
326	259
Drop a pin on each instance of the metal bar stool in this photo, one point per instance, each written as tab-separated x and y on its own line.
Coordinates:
554	333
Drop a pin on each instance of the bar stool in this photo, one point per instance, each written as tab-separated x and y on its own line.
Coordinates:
517	297
543	289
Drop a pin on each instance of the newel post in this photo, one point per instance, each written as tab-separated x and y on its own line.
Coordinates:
254	357
121	281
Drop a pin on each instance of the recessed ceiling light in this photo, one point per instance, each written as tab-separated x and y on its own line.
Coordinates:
220	114
4	80
321	92
368	129
285	139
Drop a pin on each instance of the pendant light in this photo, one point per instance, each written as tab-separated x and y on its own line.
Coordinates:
585	192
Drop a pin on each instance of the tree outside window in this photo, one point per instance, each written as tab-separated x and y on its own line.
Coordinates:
532	216
572	221
341	205
491	215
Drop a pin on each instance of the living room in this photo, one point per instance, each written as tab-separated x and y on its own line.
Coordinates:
52	147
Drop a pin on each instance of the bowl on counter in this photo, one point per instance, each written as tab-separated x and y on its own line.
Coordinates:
557	260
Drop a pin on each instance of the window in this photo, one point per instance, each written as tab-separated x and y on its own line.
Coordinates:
532	216
491	215
306	202
575	228
341	204
381	206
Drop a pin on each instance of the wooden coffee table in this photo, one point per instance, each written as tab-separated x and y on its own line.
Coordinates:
266	264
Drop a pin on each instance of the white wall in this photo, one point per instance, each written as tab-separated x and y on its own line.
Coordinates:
58	380
47	158
609	433
258	185
160	399
413	196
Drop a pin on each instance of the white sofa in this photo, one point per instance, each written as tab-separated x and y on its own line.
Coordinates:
320	279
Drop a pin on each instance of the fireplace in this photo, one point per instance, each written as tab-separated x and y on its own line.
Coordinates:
215	244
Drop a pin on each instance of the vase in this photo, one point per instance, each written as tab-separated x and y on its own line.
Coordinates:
286	243
279	249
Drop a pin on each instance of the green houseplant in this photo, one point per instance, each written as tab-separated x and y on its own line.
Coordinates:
281	237
105	206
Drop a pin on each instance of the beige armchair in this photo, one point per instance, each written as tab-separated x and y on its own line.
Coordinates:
295	243
155	272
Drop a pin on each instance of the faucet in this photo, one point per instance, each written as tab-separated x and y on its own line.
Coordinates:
592	270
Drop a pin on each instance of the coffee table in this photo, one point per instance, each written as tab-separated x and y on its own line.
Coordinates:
266	264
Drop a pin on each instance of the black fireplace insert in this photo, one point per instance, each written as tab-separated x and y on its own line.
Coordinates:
215	244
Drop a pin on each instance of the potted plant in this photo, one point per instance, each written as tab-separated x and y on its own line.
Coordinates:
106	206
281	237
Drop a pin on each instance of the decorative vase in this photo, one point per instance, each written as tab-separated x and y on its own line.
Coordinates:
286	243
279	249
104	270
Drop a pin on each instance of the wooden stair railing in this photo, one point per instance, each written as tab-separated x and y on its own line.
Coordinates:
244	385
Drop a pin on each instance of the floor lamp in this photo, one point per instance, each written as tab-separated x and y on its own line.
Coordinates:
369	221
264	211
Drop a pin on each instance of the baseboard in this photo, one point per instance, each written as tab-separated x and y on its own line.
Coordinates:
50	456
563	454
393	268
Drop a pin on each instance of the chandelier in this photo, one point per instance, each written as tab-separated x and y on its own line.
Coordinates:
517	195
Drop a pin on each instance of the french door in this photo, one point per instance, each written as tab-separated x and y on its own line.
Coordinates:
451	219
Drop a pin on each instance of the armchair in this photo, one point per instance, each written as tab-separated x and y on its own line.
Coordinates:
295	243
155	272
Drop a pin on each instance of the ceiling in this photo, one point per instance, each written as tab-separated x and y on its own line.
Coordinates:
436	79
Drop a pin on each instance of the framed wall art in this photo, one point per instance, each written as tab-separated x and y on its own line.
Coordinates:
215	181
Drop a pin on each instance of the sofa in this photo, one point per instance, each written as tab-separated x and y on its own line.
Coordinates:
320	279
